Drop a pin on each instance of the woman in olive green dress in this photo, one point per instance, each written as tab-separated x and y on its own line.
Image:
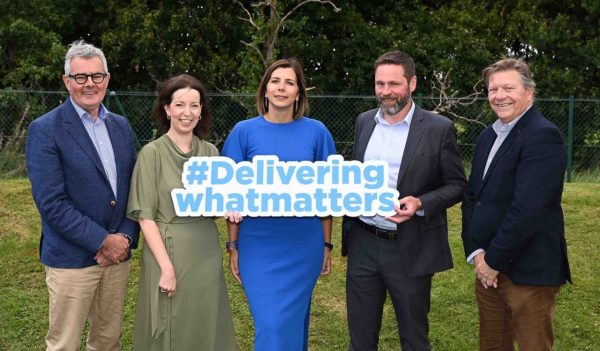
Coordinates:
182	300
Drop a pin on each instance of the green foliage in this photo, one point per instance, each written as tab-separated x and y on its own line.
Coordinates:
148	41
453	316
12	164
31	51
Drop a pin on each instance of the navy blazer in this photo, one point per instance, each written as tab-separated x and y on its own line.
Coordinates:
514	213
71	190
432	170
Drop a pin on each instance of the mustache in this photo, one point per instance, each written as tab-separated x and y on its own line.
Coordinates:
399	104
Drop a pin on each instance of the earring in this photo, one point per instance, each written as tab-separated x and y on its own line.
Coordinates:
266	103
168	117
296	106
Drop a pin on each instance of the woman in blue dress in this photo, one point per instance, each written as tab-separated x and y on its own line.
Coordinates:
278	259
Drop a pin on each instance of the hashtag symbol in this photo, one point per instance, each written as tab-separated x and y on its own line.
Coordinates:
196	172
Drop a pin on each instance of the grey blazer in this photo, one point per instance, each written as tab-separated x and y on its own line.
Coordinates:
431	170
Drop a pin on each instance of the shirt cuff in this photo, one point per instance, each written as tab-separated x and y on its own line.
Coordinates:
471	257
126	237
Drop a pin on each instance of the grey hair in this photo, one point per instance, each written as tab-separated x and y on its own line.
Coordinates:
80	48
508	64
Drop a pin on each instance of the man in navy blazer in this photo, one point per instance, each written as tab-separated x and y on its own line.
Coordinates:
79	160
513	228
399	255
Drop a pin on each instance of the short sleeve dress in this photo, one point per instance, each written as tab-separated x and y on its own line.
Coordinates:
198	316
280	258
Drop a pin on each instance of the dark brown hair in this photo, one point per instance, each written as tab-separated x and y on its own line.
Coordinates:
165	96
398	58
262	88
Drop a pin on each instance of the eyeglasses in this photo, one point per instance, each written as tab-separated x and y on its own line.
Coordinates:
83	78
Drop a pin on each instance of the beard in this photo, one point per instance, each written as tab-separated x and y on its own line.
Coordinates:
400	103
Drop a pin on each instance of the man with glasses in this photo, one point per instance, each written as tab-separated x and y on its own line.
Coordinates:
79	160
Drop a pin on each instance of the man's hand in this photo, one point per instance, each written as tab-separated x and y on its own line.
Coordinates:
409	205
484	273
102	260
115	248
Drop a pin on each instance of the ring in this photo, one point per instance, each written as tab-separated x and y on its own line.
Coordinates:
162	290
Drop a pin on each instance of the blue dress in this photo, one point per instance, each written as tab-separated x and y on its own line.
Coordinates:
280	258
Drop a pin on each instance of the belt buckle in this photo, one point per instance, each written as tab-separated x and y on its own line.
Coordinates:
383	233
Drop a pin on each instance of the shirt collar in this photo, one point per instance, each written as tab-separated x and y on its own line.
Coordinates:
102	111
379	116
500	127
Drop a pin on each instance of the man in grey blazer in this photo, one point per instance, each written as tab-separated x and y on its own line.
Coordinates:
399	255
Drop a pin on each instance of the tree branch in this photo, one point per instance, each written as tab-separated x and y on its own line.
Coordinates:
249	17
323	2
447	100
260	54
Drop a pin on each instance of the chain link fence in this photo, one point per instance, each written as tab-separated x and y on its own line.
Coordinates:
579	120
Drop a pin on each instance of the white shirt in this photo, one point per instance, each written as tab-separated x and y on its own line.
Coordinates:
387	143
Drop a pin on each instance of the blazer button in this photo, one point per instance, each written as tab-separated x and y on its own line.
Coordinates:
478	203
113	203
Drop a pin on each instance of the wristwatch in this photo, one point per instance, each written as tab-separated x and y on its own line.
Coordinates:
329	245
230	245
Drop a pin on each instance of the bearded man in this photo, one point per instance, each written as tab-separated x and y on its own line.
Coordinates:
399	255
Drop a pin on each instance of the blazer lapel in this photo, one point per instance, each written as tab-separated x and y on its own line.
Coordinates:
507	143
74	126
417	128
366	130
117	140
480	158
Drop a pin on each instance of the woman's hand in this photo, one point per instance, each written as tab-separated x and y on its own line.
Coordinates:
233	265
233	216
326	266
167	283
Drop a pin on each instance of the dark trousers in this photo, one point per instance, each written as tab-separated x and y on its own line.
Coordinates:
374	268
521	313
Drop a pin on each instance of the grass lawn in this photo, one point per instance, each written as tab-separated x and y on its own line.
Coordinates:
453	317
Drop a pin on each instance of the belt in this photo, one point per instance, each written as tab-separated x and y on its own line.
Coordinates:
378	232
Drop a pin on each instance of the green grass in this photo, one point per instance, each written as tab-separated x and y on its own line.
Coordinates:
23	297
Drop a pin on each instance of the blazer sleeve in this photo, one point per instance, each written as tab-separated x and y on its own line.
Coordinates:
538	178
452	177
129	226
45	172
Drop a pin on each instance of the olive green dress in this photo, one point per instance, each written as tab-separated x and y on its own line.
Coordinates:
198	316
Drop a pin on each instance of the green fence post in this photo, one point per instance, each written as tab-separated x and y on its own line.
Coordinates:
136	140
570	139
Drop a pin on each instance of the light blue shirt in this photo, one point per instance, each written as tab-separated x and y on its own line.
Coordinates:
387	144
502	130
101	140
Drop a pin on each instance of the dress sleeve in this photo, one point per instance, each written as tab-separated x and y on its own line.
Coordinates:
325	144
143	192
235	144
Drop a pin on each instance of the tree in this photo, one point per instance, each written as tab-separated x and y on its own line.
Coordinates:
30	50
